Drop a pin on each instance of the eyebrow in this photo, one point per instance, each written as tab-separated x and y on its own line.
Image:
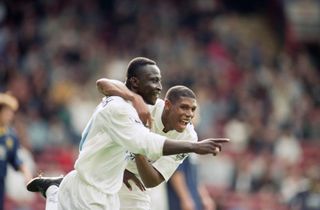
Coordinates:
194	106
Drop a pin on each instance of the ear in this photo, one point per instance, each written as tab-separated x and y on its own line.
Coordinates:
134	81
167	104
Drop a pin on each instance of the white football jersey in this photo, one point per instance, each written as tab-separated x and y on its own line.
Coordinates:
113	130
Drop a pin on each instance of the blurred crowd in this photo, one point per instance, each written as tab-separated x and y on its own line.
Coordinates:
252	84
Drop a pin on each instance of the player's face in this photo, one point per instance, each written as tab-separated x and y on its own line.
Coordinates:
149	84
181	113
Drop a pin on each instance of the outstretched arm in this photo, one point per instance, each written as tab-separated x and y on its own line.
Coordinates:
151	177
109	87
206	146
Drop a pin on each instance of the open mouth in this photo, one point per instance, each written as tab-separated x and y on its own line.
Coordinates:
184	122
156	94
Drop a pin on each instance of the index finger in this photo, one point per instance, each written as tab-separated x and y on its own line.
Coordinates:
221	140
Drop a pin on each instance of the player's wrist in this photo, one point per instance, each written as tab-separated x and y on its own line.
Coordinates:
193	147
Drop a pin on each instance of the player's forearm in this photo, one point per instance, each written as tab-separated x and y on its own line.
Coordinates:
149	175
206	146
109	87
172	147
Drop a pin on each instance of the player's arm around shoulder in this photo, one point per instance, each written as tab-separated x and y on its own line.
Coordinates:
110	87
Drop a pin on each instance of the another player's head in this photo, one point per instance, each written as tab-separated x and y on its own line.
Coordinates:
179	109
8	105
144	78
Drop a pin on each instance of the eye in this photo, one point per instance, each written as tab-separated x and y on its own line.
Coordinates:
184	107
155	80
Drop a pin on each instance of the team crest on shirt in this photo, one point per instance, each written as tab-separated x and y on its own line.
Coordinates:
181	156
129	156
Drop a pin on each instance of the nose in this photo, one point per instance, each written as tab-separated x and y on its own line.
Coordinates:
189	113
159	86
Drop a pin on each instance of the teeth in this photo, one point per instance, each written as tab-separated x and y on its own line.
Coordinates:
185	122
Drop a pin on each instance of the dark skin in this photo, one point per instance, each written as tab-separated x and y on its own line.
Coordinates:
144	88
147	84
177	115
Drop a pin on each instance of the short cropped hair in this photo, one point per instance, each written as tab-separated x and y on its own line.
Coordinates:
178	91
135	65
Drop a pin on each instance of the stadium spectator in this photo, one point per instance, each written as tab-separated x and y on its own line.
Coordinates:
9	143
